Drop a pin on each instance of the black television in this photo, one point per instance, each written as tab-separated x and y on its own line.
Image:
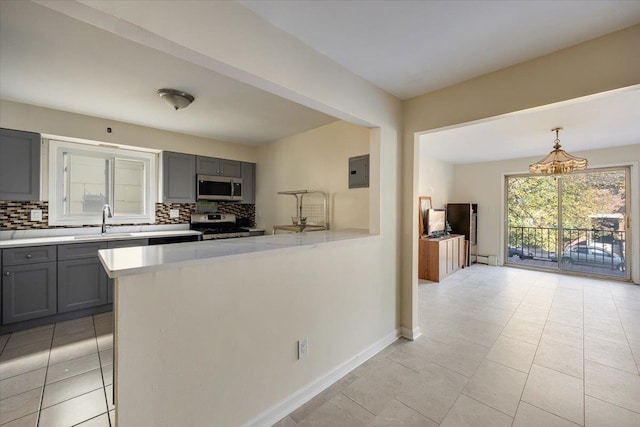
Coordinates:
435	222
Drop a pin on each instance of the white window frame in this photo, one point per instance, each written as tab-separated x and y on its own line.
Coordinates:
57	215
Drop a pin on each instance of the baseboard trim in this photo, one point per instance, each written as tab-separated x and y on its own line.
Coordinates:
411	334
300	397
482	259
487	259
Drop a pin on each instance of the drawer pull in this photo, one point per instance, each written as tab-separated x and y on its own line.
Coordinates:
28	256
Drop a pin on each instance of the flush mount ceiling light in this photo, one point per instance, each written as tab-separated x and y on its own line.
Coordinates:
558	161
177	99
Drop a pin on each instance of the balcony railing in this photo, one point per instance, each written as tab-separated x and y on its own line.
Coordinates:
580	249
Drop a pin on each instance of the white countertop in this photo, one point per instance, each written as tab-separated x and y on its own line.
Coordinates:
145	259
85	238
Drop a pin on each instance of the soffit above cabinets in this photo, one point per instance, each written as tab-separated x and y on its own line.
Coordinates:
52	60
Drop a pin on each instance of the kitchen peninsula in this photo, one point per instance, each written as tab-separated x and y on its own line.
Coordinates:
202	327
145	259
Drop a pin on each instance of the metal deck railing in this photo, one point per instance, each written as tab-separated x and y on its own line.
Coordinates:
539	246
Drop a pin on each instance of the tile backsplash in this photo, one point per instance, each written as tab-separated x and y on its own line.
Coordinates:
16	215
162	213
239	210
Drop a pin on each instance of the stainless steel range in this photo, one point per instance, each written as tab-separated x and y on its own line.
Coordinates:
217	226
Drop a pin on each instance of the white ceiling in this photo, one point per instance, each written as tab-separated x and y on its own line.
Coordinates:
594	122
409	48
52	60
405	47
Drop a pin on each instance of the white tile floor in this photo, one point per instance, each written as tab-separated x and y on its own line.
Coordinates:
501	347
58	375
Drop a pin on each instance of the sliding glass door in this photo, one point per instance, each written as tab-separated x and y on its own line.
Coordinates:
574	223
593	219
532	221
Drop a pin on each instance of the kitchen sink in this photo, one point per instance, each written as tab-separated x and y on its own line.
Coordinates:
101	236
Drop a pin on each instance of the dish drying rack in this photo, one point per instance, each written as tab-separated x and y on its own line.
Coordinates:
311	205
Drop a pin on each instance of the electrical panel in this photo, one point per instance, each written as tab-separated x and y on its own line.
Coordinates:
359	171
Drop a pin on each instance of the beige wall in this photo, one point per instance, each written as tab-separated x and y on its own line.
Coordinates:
215	344
595	66
435	178
313	160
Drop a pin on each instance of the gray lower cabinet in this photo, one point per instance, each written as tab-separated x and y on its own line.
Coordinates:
248	182
178	177
30	255
28	283
80	250
19	165
41	281
82	281
28	291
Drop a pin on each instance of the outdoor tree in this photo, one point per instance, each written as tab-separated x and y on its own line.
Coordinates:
532	205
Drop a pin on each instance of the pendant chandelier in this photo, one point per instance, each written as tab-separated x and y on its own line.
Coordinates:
558	161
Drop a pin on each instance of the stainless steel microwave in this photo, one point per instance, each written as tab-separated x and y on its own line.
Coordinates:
211	187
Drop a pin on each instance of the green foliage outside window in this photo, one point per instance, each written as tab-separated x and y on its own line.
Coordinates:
590	201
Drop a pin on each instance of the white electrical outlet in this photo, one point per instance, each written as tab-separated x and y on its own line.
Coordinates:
174	213
36	215
303	347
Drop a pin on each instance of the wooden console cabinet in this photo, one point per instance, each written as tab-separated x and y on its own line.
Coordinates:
438	258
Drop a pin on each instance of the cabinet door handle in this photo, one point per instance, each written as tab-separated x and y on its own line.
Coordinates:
7	274
28	256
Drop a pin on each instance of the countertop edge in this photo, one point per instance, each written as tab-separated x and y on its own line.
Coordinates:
64	240
114	273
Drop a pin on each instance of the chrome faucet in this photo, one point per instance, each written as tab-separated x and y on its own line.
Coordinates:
106	213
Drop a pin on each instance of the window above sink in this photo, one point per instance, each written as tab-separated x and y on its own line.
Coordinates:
83	178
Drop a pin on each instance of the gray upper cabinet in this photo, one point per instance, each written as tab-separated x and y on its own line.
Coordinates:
221	167
248	182
19	165
207	165
178	177
230	168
